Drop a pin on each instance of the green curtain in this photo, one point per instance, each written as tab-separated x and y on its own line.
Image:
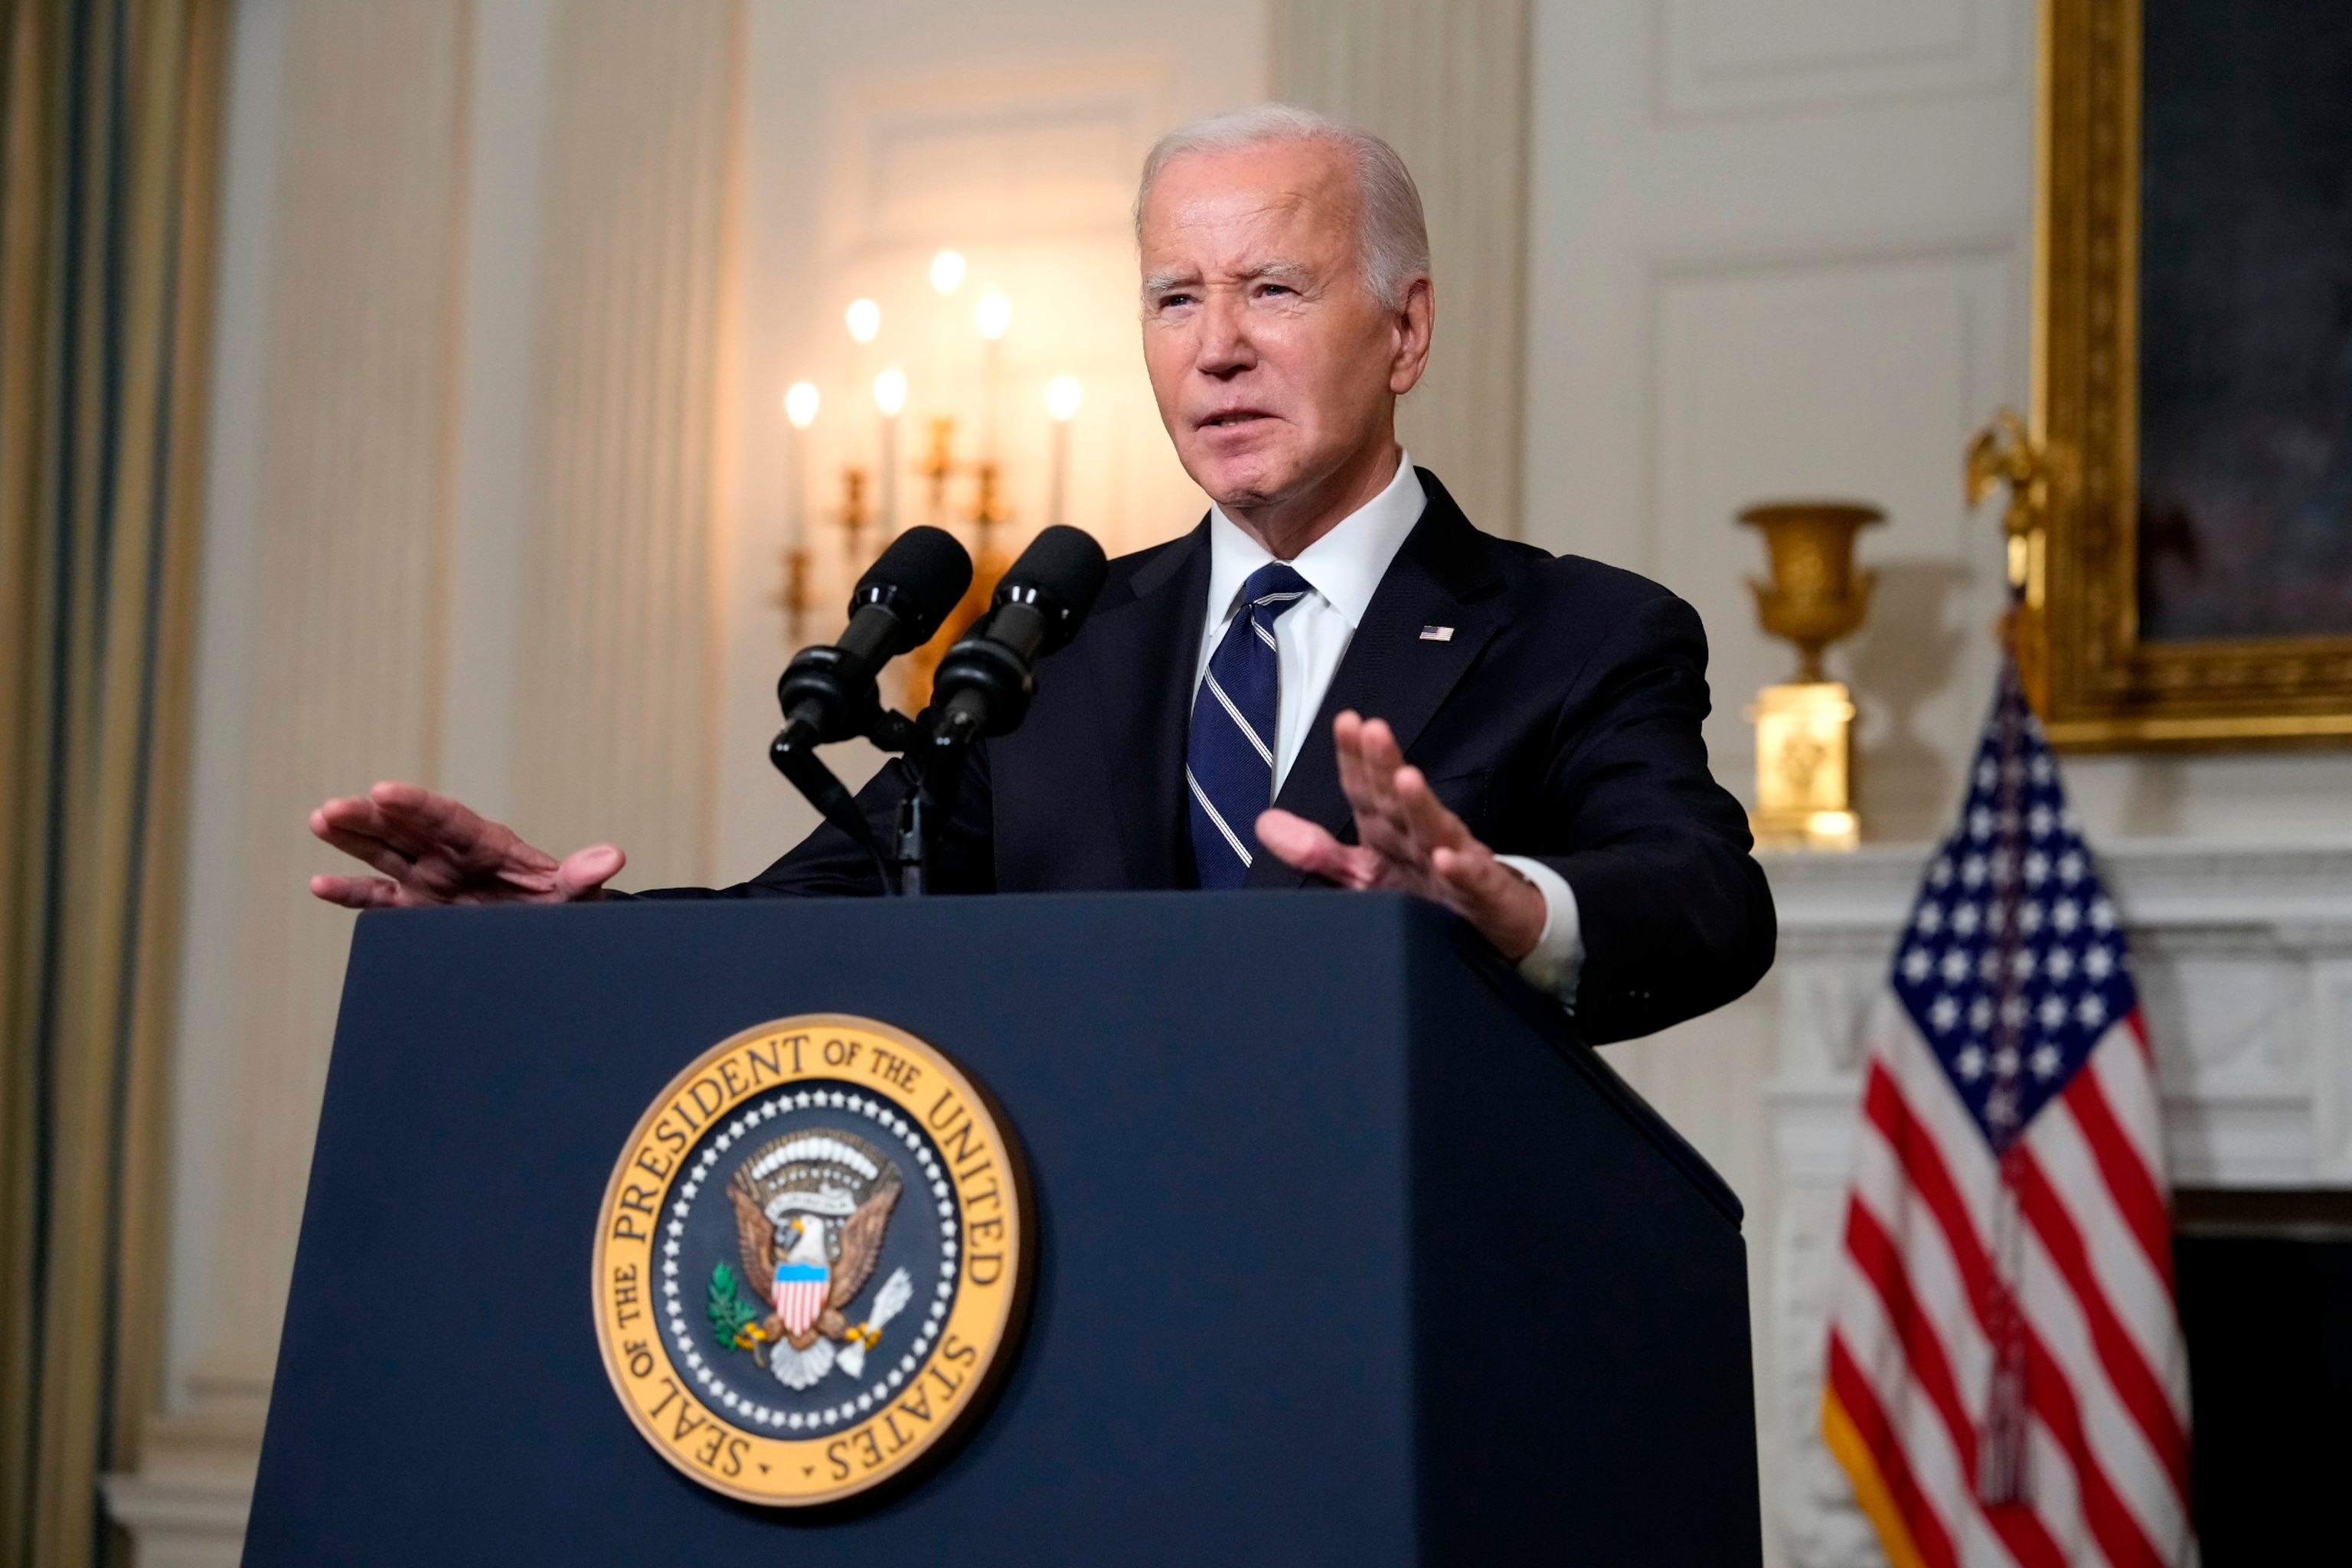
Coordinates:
109	141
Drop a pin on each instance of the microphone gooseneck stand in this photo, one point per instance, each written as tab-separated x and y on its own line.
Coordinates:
829	693
982	686
985	682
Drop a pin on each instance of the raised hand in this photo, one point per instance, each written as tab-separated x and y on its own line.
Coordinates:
432	850
1407	839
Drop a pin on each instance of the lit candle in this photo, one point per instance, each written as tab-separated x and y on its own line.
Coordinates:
889	401
992	315
800	409
1063	395
863	320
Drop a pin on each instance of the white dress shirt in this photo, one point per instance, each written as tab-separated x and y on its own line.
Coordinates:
1343	569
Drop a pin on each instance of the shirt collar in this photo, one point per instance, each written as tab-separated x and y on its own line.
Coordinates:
1345	566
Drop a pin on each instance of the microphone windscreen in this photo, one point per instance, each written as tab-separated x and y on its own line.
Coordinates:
925	570
1062	565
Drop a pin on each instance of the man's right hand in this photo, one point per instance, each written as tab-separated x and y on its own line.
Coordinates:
432	850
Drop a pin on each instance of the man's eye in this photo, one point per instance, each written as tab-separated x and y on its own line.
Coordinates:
1172	301
1271	290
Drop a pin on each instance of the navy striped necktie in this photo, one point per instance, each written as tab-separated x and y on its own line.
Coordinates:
1229	766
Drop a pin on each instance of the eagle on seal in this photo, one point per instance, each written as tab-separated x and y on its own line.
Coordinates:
812	1238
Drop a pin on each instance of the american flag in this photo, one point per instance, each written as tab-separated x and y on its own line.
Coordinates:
2006	1379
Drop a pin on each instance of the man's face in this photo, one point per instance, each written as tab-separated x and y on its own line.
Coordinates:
1271	362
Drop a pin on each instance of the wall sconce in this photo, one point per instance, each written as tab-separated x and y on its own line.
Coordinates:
947	271
863	320
992	315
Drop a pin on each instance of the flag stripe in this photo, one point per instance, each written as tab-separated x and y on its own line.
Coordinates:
2118	1074
1875	1255
2114	1440
1942	1291
1846	1444
2057	1501
2121	1292
2049	1390
2111	1523
1853	1392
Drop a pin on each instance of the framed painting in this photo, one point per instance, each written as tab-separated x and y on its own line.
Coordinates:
2184	526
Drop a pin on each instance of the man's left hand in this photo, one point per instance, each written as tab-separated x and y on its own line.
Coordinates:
1407	839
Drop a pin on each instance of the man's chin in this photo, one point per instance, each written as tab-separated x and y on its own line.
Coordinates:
1244	485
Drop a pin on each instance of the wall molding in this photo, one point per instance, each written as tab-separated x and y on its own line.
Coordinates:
1724	57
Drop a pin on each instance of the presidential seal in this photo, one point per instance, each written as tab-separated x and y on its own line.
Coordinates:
813	1262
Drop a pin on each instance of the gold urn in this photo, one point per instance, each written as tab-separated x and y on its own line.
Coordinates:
1804	727
1815	596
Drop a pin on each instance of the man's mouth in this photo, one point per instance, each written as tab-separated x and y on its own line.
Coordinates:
1232	418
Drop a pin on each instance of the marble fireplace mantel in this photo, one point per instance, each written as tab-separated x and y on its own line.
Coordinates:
2243	957
2245	962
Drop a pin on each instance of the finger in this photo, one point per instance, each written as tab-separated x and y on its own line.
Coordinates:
425	823
357	892
1386	820
418	820
1311	848
348	814
1508	910
361	846
1425	816
1379	756
1347	736
584	872
1366	784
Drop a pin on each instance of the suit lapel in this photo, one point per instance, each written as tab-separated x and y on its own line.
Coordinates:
1439	577
1143	653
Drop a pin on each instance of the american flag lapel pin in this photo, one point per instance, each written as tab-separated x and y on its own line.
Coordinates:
1437	634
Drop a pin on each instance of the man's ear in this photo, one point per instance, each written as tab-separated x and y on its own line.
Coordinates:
1415	319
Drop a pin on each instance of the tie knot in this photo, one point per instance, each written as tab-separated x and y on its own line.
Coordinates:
1274	587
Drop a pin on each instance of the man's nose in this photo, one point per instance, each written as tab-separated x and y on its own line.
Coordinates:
1225	346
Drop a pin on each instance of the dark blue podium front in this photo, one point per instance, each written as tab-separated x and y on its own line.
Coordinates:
1348	1253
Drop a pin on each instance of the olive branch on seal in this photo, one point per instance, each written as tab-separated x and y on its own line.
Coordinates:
734	1316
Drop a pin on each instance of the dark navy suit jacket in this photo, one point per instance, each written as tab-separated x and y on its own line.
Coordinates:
1561	720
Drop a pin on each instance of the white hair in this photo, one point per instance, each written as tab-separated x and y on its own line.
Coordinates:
1394	234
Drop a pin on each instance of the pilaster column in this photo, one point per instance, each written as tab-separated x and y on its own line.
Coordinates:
1446	81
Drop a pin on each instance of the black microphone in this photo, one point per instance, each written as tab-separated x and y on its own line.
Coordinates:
985	683
828	693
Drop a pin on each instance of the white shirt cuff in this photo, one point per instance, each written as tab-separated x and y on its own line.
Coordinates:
1557	961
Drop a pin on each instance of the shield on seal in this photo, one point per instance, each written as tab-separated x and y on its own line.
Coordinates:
799	1293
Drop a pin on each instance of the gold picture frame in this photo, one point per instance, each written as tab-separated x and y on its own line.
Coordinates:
2095	681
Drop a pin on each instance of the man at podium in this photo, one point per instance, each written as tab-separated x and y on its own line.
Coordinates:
1333	679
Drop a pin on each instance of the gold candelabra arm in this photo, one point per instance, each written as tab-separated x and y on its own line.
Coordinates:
855	513
938	464
988	509
792	597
